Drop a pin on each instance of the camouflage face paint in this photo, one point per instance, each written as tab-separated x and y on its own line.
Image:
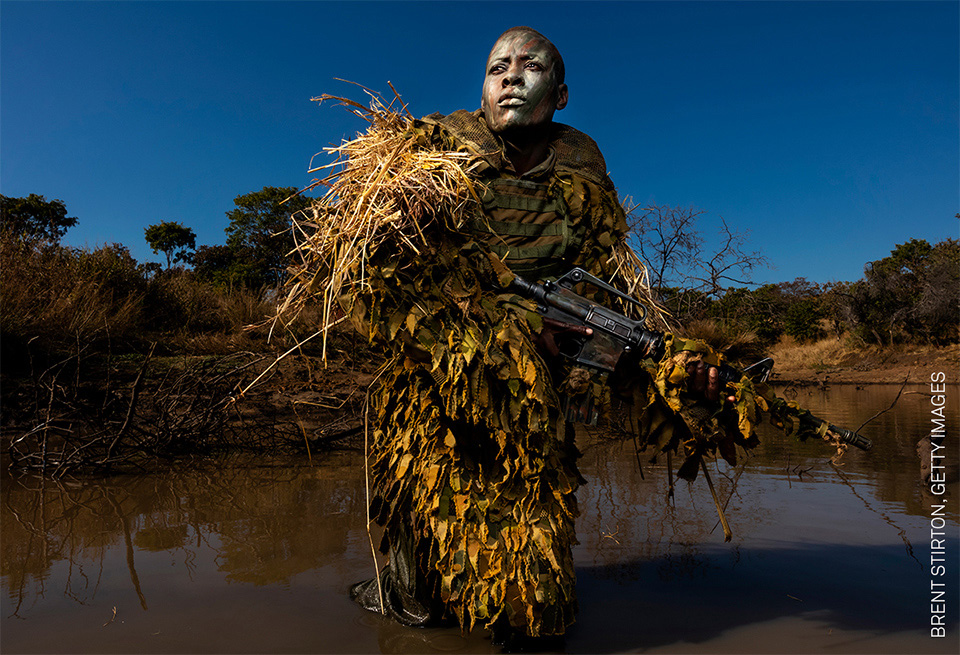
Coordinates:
520	88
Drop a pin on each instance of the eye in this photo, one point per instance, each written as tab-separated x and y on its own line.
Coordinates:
532	65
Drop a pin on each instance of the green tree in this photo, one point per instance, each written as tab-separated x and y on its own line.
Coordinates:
258	233
223	266
938	308
802	320
908	296
172	239
35	218
757	310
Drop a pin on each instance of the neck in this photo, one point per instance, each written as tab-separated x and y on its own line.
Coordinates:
526	148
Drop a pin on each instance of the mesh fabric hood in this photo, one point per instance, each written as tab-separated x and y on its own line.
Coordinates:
576	152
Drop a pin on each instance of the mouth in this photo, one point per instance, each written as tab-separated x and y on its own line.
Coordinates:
511	101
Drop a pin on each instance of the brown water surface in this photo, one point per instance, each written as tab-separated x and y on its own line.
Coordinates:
247	555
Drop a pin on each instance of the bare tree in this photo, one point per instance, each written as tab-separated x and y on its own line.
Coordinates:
668	241
731	259
672	247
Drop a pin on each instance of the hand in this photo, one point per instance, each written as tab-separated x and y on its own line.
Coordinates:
705	380
546	340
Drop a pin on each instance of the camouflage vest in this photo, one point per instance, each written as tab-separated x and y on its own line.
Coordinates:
526	220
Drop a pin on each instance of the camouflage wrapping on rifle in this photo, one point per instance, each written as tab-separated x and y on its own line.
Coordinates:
669	417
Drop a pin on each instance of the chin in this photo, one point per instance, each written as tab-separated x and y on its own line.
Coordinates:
510	125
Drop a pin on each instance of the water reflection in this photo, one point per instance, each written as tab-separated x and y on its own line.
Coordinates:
248	522
244	555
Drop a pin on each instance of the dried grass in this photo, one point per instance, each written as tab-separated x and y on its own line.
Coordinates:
629	268
45	298
379	187
826	353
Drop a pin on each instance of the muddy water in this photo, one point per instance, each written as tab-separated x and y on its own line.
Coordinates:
254	556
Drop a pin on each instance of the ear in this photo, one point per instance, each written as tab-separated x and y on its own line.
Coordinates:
562	96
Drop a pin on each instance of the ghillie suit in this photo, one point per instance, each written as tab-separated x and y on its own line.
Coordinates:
473	467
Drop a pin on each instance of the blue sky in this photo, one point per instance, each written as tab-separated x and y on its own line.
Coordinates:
827	130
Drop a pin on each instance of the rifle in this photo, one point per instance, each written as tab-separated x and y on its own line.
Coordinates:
617	339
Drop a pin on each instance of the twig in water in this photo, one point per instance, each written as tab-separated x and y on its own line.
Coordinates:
112	618
134	395
903	533
884	411
306	441
727	532
636	450
366	475
670	475
733	489
612	535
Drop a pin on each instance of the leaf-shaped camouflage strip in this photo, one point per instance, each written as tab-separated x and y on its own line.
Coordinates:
466	434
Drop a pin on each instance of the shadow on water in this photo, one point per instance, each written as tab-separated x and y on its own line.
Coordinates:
700	596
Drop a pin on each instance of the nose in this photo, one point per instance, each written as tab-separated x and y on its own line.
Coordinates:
513	76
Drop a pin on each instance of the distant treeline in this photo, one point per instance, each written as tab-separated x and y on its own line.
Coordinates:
55	297
909	297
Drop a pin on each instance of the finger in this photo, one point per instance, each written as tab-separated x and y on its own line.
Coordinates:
550	344
580	329
713	384
700	378
563	327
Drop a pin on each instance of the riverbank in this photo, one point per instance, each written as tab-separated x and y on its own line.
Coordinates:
831	361
96	410
101	411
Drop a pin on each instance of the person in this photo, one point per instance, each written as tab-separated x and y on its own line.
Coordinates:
473	463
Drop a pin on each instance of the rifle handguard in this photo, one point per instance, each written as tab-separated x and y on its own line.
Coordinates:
731	374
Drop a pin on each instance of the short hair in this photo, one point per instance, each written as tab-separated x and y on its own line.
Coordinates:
558	68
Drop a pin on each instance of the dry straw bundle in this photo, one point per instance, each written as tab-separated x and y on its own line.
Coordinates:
630	269
380	187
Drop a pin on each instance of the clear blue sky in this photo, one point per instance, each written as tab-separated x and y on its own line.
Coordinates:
828	130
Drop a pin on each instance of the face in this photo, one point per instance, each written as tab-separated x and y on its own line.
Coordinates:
520	90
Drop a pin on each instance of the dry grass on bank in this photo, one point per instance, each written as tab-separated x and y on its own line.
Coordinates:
822	354
57	300
844	361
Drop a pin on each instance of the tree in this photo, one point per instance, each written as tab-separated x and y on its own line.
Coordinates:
35	218
681	270
937	308
172	239
668	242
802	320
759	310
256	232
221	265
910	295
